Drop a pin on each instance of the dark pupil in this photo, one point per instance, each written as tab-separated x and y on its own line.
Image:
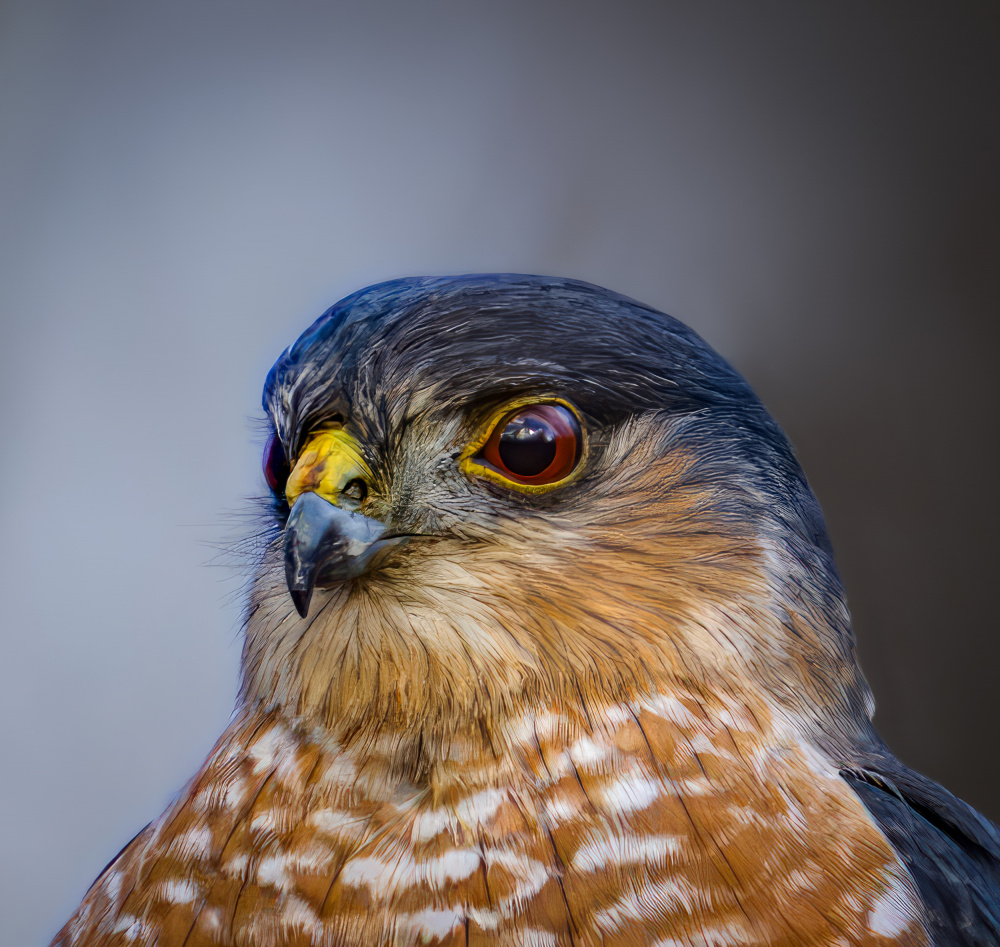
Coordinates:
527	445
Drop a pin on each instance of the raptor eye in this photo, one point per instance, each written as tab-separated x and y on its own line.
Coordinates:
535	445
275	465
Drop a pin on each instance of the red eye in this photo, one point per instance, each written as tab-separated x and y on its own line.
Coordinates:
275	465
538	444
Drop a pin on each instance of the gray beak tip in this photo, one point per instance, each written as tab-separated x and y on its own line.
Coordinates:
323	540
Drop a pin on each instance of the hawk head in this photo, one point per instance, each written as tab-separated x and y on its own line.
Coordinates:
497	493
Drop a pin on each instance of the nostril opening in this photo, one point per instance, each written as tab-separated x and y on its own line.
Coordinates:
356	489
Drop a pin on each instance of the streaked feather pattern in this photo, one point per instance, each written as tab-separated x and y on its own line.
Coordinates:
670	821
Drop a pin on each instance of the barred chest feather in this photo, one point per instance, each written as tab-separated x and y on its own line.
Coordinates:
666	822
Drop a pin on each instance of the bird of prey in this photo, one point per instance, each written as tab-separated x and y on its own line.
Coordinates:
545	647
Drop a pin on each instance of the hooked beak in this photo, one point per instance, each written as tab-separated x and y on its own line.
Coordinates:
326	539
326	544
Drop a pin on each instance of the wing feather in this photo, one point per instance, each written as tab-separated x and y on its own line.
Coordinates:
952	852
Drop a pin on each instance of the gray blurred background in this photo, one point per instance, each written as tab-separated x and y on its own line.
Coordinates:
184	186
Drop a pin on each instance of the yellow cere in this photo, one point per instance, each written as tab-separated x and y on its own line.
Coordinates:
329	461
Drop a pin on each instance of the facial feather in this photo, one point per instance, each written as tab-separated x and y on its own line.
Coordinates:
662	565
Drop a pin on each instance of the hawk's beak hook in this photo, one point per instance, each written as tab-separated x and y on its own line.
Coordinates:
324	543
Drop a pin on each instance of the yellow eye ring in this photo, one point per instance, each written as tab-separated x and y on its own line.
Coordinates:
533	445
